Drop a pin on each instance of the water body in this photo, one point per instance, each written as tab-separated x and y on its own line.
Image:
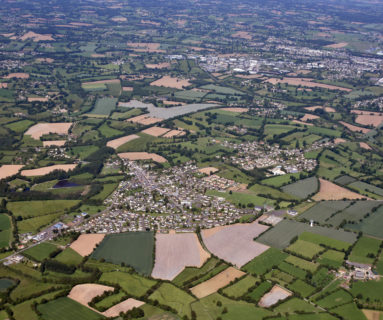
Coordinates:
6	283
167	113
64	184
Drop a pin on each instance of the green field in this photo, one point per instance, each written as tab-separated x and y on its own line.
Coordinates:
362	186
240	288
369	291
69	256
5	230
304	248
292	270
265	261
365	250
371	225
293	305
107	189
324	210
170	295
336	298
28	209
302	188
65	308
257	293
281	235
131	283
302	264
104	106
350	312
326	241
331	258
40	252
132	248
302	288
19	126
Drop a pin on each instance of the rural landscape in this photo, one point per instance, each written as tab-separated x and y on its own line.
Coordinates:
191	160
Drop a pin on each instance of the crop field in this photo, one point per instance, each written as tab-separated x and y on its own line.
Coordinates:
86	243
5	230
370	290
265	262
207	308
302	264
324	210
292	270
19	126
331	191
104	106
36	223
190	273
281	235
69	256
306	249
40	129
170	295
174	252
132	248
27	209
8	170
371	225
131	283
40	252
302	188
241	249
214	284
257	293
344	180
302	288
276	294
363	248
331	258
241	287
65	308
45	170
349	311
222	90
359	185
296	305
355	212
335	299
85	292
328	241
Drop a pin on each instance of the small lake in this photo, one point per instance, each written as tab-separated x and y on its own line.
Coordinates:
6	283
167	113
65	184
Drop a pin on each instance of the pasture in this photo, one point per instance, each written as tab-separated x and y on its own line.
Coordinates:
371	225
306	249
324	210
40	252
239	288
5	230
302	288
265	262
365	250
132	248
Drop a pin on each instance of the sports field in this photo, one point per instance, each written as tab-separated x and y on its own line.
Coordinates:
132	248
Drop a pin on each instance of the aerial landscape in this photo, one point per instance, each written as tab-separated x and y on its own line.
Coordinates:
195	159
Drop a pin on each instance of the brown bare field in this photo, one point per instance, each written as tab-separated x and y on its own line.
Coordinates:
119	19
170	82
354	128
144	120
304	123
249	76
84	293
219	281
120	141
364	146
327	109
337	45
372	314
102	81
3	85
86	243
8	170
339	140
145	47
242	34
36	37
153	23
17	75
38	130
128	89
174	252
368	118
123	306
46	60
57	143
98	55
236	110
40	99
155	131
276	294
306	82
208	170
174	133
45	170
308	116
331	191
173	103
241	248
133	156
162	65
